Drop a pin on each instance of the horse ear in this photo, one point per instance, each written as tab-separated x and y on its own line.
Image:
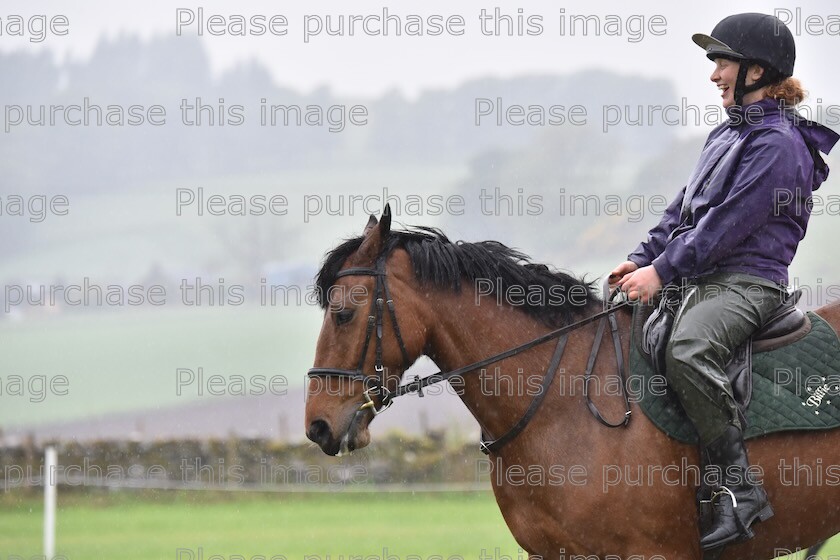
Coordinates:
375	238
370	225
385	222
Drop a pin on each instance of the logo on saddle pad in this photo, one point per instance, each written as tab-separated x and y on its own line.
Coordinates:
817	394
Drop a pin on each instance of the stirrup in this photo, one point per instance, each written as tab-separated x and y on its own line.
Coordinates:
723	491
744	527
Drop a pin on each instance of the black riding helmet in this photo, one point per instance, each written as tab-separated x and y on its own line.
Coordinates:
752	39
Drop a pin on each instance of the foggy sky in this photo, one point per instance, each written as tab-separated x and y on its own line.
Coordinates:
362	66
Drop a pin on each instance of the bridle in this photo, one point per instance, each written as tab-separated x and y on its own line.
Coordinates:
375	384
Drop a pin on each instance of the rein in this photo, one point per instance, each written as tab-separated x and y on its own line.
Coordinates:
376	384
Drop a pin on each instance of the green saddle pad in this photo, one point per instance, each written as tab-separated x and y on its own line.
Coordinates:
796	387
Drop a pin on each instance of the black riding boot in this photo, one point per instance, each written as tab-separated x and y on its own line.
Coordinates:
739	501
705	511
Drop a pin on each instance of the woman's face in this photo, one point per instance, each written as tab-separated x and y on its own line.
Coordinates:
725	75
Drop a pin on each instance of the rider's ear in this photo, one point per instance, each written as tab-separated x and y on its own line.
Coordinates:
375	236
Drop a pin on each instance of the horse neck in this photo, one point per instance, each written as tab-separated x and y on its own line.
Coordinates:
465	333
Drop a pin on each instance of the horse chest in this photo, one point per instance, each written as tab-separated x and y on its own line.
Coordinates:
530	499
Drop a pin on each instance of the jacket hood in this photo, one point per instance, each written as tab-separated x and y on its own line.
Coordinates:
818	138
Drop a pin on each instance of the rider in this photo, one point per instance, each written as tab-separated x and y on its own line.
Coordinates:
727	240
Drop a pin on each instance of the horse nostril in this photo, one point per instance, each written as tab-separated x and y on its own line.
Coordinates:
319	432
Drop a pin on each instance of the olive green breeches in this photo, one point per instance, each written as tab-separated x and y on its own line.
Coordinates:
717	314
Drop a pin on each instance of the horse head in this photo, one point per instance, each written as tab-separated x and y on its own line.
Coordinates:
366	341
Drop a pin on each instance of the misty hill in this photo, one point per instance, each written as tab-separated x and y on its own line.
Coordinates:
438	126
433	136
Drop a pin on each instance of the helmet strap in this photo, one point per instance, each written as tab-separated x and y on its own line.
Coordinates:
740	83
741	88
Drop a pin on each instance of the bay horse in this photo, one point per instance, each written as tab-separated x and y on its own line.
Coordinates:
566	485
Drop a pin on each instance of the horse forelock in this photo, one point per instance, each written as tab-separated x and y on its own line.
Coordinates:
445	264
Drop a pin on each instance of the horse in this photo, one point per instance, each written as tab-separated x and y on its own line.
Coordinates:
566	485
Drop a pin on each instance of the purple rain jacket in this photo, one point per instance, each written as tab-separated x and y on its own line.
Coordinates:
747	202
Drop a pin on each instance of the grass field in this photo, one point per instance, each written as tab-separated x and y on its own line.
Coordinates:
293	526
119	361
197	526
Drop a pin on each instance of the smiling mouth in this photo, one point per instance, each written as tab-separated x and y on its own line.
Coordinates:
723	89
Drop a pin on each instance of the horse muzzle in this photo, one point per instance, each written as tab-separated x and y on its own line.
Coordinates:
355	436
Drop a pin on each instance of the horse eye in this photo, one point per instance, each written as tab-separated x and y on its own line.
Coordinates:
344	316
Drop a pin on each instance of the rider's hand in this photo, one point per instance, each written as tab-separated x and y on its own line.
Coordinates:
641	284
620	271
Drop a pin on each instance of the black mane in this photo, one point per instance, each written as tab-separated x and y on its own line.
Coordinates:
445	264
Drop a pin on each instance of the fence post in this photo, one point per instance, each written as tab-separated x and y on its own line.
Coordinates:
50	484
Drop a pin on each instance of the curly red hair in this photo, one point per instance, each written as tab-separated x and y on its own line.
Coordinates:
788	90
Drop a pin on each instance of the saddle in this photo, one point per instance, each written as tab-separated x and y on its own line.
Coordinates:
786	325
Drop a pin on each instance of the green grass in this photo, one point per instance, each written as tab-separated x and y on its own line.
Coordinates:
293	526
830	550
151	525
